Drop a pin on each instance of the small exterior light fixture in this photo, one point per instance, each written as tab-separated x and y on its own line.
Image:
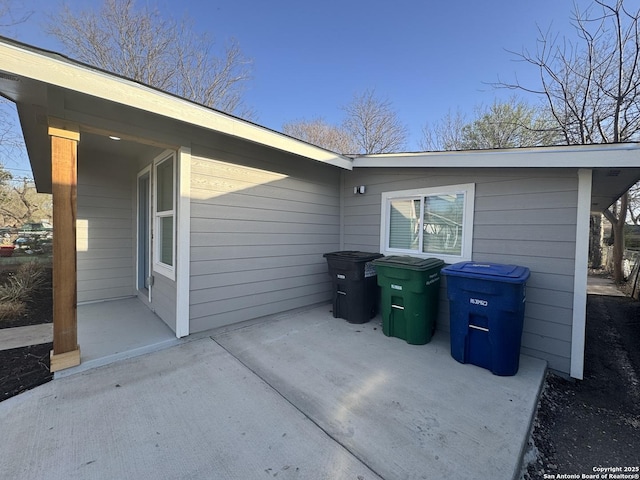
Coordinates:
359	190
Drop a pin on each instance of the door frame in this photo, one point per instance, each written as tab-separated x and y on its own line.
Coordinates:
182	243
145	172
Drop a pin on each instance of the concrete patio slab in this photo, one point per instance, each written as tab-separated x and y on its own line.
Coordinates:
302	395
408	412
116	330
188	412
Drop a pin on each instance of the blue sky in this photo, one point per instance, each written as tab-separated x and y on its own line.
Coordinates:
310	58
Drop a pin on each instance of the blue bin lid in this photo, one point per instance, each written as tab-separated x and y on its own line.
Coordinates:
409	263
488	271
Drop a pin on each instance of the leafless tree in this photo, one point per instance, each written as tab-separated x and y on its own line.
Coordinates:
12	13
169	54
322	134
592	86
20	202
374	124
9	137
445	134
633	205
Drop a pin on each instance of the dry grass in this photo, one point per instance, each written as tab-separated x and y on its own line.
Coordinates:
11	309
20	288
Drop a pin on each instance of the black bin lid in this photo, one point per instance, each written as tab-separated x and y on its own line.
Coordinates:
353	256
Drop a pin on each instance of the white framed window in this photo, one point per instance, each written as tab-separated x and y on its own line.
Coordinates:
164	250
429	222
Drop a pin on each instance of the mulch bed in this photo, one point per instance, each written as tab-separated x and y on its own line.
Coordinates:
24	368
596	421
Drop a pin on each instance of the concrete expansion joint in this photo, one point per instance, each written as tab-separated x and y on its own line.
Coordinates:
284	397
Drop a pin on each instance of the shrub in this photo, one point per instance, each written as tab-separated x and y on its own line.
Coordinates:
20	287
11	309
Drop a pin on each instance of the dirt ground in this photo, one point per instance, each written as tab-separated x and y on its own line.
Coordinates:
24	368
595	422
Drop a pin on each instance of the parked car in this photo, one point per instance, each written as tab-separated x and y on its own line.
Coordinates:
38	229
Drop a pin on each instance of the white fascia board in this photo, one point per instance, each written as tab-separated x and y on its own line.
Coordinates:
65	73
576	156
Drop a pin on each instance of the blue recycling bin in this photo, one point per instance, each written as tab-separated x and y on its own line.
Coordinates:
486	308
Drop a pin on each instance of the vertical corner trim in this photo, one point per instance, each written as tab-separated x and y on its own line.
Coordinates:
183	241
578	330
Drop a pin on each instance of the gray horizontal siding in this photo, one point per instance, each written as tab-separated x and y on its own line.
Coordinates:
163	299
522	216
258	233
104	230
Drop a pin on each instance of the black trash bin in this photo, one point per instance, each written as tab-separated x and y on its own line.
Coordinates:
355	286
486	307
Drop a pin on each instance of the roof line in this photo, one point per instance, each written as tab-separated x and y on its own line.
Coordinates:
618	155
129	91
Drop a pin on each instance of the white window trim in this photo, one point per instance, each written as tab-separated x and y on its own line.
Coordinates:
163	269
468	189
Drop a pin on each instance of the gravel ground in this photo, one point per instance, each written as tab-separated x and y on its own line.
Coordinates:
582	425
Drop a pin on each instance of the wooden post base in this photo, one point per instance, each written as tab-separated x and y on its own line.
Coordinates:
64	360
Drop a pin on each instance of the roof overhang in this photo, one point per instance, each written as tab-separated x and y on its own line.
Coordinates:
616	167
28	73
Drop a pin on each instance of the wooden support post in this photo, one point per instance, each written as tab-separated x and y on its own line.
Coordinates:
64	148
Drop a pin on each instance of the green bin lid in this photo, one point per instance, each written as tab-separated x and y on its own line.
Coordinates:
409	263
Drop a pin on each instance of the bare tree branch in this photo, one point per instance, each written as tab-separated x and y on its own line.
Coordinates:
12	13
374	125
169	54
322	134
592	88
506	124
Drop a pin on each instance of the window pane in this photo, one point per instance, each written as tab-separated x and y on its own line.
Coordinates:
164	173
443	215
404	224
166	240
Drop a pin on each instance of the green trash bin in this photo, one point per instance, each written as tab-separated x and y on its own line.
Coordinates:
409	290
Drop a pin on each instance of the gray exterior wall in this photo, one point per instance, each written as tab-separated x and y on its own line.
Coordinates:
260	223
163	299
104	229
522	216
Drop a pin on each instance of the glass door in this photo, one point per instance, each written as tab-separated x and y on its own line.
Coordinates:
143	276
